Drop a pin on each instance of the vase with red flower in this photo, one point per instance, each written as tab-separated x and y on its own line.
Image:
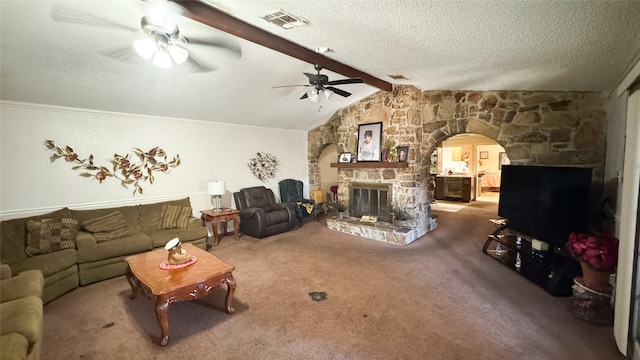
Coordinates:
598	256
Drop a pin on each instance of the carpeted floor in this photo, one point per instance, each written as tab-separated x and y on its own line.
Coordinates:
437	298
449	206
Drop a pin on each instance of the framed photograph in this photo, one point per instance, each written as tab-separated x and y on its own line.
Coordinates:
344	157
403	153
369	139
484	154
385	155
504	160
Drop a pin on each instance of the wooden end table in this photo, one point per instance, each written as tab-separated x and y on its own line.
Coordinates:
222	216
168	286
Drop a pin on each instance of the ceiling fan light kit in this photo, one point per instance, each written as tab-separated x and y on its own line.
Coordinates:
157	45
320	83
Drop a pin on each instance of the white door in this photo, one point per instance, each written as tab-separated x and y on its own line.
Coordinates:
625	292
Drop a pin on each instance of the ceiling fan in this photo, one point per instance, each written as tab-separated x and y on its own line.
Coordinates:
160	39
320	84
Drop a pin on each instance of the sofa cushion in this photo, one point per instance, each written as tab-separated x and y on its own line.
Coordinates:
151	214
173	216
22	316
27	283
49	264
49	235
130	214
13	346
13	235
107	227
89	251
160	237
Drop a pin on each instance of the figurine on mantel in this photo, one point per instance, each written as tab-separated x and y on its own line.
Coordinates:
177	255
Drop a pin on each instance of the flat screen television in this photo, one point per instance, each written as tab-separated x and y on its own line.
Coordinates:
545	202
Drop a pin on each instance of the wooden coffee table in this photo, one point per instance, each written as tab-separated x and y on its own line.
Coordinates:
167	286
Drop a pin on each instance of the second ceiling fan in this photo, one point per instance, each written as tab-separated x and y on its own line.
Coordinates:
320	84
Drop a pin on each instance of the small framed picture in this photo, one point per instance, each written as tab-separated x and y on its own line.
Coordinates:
385	155
403	153
344	157
369	138
484	154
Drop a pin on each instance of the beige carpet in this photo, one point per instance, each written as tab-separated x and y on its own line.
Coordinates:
437	298
449	206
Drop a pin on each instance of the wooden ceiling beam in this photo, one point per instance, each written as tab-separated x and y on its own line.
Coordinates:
217	19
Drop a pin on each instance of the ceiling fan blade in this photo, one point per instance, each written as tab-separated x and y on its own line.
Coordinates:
70	15
284	86
162	6
338	91
233	49
345	81
198	66
124	53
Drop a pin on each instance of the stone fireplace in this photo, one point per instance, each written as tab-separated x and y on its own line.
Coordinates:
546	128
374	189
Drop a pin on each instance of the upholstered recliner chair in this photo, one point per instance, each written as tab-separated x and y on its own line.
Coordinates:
260	215
291	192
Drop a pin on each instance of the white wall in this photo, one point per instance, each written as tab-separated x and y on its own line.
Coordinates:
328	175
492	164
31	183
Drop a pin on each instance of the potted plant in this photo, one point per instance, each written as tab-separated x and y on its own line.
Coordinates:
400	215
598	256
340	208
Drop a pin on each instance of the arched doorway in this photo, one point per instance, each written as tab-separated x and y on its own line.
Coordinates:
469	156
328	175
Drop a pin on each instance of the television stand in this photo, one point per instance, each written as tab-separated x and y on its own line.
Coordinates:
553	269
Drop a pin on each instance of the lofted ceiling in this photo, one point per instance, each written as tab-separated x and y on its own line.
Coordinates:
435	45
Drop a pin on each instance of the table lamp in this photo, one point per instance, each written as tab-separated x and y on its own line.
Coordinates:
216	189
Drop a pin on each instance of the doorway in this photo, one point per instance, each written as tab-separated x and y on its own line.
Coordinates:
472	155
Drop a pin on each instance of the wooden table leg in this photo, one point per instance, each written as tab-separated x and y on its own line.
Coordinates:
162	308
231	288
133	282
226	232
236	223
216	236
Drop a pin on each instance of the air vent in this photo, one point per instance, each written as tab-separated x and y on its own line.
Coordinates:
284	19
397	77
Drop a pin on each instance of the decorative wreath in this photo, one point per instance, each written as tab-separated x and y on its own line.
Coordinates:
264	166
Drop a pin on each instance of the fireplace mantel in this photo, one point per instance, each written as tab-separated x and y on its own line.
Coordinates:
372	164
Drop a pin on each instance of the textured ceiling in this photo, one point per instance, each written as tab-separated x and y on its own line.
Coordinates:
453	45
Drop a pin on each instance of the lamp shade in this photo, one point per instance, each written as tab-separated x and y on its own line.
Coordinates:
216	188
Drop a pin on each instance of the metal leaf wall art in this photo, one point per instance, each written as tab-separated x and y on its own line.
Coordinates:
122	168
264	166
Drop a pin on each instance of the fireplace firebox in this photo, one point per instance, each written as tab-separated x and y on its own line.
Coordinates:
370	199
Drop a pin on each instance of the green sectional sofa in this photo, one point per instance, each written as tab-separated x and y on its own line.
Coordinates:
20	314
80	247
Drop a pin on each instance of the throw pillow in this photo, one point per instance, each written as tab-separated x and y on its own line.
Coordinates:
173	216
108	227
49	235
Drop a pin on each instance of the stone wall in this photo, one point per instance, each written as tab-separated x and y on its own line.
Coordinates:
536	128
